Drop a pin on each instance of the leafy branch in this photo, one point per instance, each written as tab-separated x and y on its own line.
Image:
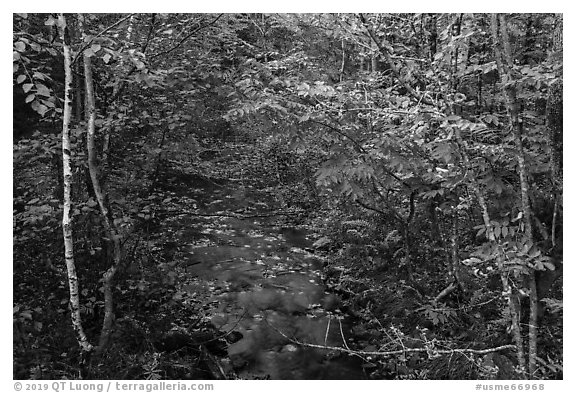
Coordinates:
384	51
173	48
86	45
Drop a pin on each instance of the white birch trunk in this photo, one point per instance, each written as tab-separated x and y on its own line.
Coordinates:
66	218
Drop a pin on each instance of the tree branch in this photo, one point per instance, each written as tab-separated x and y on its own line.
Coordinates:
357	144
390	61
186	37
98	35
374	209
398	351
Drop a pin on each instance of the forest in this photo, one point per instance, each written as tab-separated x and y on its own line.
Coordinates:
288	196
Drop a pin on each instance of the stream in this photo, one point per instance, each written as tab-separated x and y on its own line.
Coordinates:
255	279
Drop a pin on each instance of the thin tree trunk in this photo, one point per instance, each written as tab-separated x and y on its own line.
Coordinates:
111	230
529	40
343	64
554	131
432	35
129	29
115	92
456	31
507	290
78	99
505	63
407	254
554	115
67	171
104	164
407	236
554	120
456	268
156	174
374	58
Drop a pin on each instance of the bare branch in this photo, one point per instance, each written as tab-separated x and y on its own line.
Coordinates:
432	351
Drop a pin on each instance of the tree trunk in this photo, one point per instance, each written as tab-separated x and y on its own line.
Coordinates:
554	119
505	63
130	29
374	58
432	35
554	112
111	230
85	345
78	99
507	289
456	267
456	31
343	64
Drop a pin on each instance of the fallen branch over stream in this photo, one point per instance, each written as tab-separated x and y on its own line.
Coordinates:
430	350
244	216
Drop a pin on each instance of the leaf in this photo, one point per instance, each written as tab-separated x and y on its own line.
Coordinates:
20	46
42	90
534	253
39	108
322	242
48	103
39	75
549	265
27	86
50	21
30	98
497	231
471	261
106	57
304	118
95	48
21	78
61	23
